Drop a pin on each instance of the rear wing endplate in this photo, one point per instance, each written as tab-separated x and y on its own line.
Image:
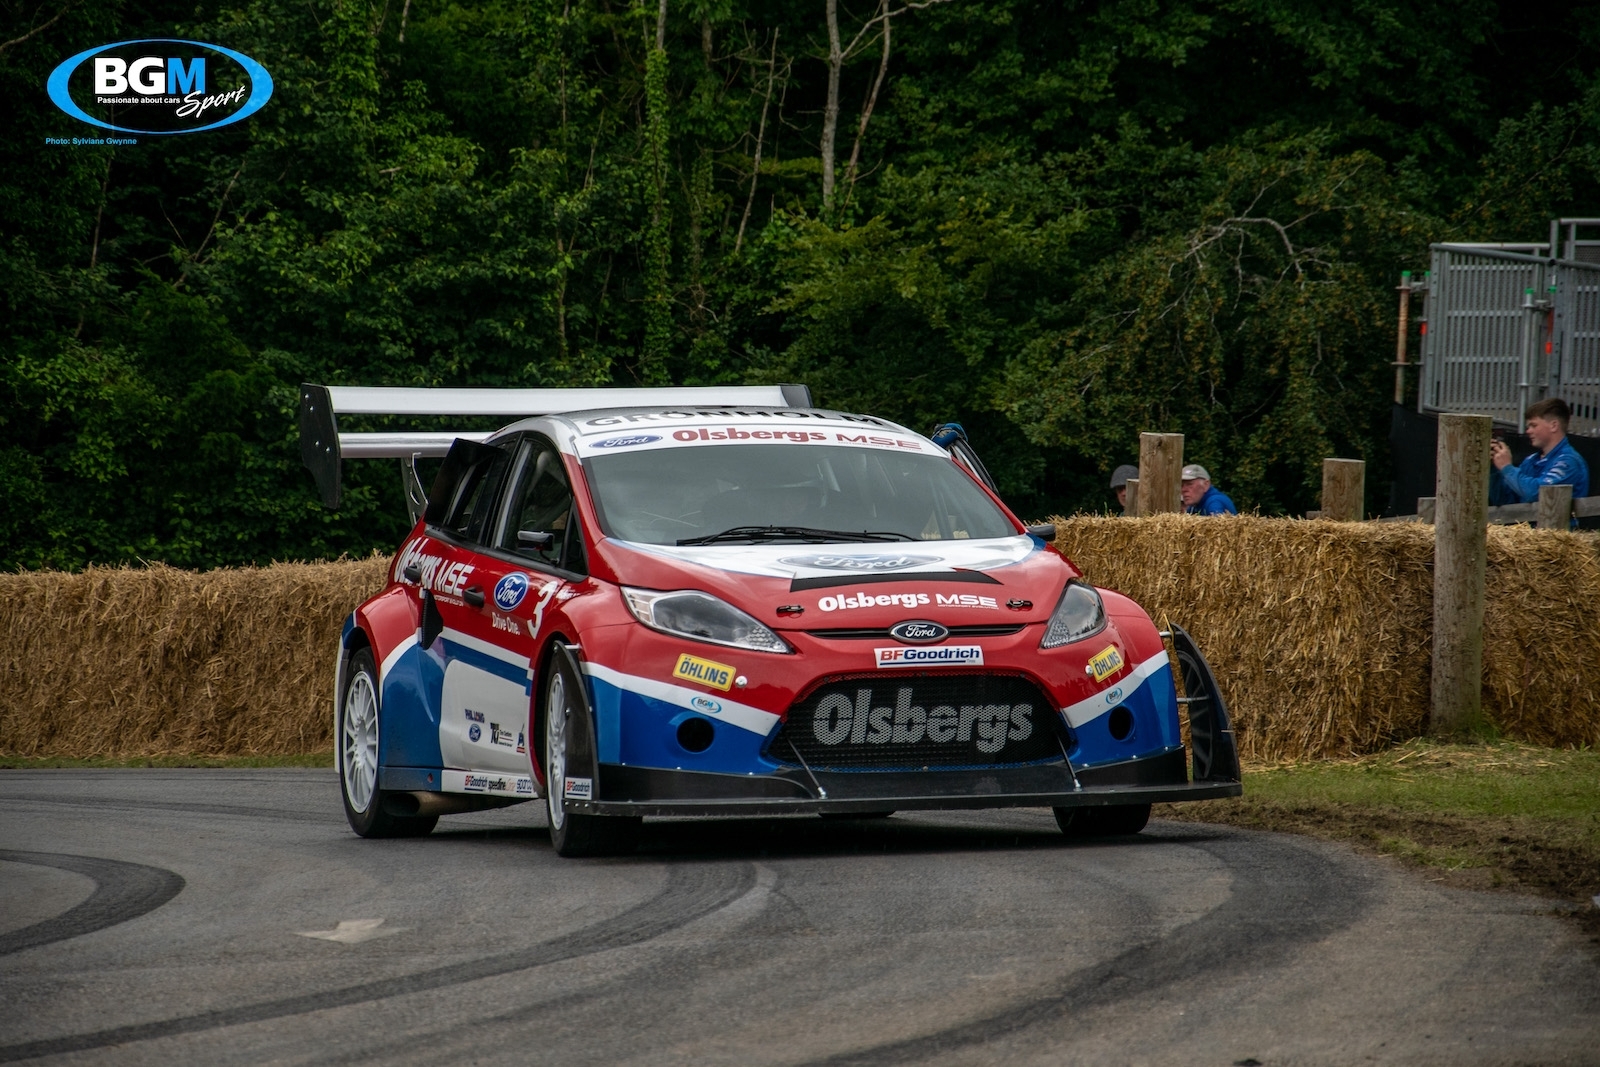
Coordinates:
323	448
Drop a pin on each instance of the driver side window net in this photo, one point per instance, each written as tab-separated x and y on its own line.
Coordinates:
542	524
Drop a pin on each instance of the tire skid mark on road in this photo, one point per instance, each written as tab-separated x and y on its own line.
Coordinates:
122	891
680	948
104	804
692	891
1275	908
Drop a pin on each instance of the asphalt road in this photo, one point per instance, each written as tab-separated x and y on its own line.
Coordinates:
161	916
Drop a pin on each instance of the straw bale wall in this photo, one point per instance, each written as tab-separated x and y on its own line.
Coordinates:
1319	633
159	661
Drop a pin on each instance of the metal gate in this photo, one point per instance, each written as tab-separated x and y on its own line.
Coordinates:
1506	329
1577	345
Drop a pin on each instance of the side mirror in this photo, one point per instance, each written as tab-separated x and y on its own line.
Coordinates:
535	539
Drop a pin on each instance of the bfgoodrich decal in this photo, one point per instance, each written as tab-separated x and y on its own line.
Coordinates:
159	85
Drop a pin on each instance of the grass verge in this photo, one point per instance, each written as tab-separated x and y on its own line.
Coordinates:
1482	816
319	759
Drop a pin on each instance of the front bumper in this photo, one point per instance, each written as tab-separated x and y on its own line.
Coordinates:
624	790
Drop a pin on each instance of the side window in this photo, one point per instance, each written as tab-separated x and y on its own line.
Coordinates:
542	524
462	501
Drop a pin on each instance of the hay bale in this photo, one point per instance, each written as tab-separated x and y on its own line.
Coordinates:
159	661
1320	632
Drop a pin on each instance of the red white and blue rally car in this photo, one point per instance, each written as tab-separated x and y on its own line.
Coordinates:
730	602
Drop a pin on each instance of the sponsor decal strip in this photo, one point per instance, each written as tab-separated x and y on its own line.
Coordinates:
929	656
1092	708
492	783
741	715
847	601
725	433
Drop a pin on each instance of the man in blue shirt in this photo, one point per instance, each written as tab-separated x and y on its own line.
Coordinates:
1200	497
1556	462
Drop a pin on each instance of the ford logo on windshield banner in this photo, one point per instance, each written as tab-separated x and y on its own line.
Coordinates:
160	85
918	632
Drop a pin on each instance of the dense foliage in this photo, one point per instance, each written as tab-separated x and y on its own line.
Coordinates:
1059	222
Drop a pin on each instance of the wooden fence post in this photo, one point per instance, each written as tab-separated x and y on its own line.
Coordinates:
1160	467
1344	490
1555	507
1131	509
1460	565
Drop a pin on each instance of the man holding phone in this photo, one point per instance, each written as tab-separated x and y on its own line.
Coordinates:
1556	462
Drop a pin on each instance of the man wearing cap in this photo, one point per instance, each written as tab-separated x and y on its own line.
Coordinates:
1119	483
1200	497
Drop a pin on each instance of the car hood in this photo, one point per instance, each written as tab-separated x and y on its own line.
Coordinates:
956	583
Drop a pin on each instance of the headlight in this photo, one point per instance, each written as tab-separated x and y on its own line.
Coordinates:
1079	614
701	617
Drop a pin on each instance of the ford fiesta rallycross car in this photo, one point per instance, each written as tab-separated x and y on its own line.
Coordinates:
714	609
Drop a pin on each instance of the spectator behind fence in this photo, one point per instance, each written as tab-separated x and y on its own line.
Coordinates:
1556	463
1119	483
1200	497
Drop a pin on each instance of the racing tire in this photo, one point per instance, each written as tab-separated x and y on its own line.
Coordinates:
357	741
1114	820
575	834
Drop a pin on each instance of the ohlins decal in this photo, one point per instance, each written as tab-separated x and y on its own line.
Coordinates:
838	720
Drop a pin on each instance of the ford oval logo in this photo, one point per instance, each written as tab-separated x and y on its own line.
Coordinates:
919	632
863	563
509	591
627	442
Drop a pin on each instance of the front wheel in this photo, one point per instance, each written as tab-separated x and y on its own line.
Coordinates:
358	757
574	833
1111	821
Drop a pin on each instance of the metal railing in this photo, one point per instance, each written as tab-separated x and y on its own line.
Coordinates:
1506	329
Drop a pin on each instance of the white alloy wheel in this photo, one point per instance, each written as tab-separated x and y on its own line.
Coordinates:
359	741
555	747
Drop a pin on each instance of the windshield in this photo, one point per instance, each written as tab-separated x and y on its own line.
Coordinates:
777	493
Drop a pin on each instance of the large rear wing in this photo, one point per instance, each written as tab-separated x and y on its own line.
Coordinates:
323	448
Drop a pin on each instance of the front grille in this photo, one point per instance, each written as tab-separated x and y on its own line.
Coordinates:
881	633
919	719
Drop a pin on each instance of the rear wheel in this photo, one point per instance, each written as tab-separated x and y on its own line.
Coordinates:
574	833
358	757
1110	821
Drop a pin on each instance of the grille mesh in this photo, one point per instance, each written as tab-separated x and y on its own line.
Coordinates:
883	721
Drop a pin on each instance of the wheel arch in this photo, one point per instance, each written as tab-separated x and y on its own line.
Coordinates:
564	645
351	637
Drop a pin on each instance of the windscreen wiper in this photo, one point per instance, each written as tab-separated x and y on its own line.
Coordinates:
803	534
